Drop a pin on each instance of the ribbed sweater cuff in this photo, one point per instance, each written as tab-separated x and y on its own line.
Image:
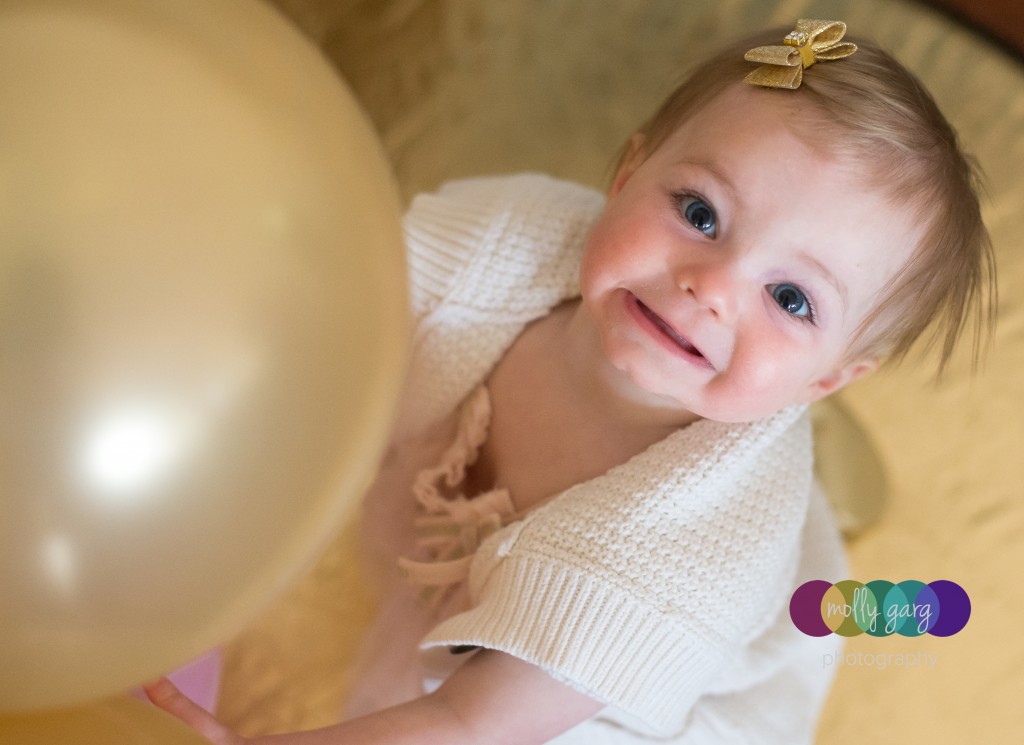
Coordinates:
440	238
591	635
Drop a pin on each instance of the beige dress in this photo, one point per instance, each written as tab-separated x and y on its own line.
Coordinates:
449	527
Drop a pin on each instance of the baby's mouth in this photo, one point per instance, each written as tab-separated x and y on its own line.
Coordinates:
668	330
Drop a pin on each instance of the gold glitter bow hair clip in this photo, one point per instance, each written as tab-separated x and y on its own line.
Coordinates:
811	41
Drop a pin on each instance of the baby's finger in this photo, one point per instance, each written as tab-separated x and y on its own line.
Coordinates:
164	694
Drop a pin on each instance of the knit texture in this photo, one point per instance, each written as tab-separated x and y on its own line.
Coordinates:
665	579
486	257
639	586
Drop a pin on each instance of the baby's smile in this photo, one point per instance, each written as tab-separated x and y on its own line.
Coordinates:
666	331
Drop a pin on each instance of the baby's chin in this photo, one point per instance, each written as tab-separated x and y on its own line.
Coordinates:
744	415
735	412
648	388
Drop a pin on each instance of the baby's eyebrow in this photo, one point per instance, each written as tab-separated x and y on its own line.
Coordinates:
829	276
719	175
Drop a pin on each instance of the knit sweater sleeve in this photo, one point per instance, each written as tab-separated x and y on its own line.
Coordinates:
525	222
442	230
485	257
641	587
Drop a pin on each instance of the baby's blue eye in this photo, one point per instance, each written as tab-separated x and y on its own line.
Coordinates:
699	214
792	300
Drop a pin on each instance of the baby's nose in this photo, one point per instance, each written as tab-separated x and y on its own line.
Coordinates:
713	284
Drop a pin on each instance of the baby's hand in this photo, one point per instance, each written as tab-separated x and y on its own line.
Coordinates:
164	694
494	698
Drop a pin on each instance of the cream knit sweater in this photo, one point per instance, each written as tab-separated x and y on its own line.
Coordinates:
660	588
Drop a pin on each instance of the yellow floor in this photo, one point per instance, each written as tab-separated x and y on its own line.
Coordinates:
488	86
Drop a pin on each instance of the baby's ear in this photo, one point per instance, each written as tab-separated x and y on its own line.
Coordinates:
632	159
842	377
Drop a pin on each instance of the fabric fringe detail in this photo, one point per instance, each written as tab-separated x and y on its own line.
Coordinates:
451	526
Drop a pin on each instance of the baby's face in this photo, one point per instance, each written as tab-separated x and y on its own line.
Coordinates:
731	267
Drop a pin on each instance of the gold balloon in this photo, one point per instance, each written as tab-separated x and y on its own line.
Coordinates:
122	721
202	330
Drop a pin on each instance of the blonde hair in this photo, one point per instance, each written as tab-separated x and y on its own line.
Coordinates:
876	111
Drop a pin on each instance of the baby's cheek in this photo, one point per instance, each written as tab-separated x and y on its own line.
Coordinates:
596	264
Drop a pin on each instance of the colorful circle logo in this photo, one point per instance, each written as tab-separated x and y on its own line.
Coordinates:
880	608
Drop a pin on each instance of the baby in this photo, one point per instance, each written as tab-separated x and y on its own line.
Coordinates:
597	499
